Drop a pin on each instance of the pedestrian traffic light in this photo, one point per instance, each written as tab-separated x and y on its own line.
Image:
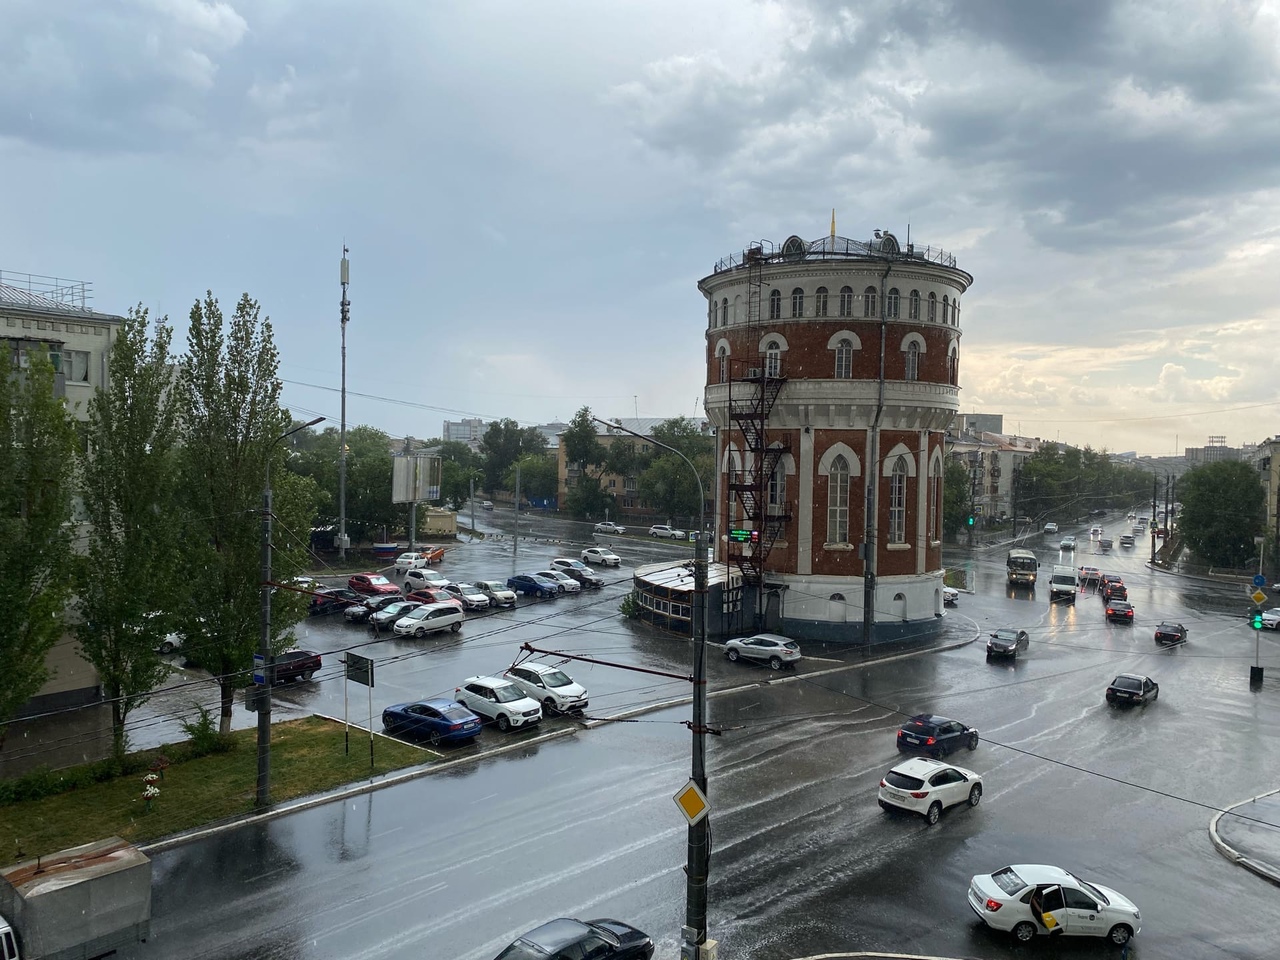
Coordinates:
1255	620
969	521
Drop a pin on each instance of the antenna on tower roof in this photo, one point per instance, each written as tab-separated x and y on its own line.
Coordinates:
833	223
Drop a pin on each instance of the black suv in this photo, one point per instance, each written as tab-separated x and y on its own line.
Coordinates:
1114	590
296	665
936	736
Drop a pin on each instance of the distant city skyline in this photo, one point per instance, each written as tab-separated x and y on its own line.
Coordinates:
529	208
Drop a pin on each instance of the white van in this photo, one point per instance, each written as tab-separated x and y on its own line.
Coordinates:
1063	584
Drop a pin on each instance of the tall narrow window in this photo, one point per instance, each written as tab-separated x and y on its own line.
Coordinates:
913	361
846	301
946	309
778	486
838	501
722	361
820	302
953	367
844	359
869	302
773	359
775	304
935	502
955	312
898	502
797	302
913	306
933	308
715	314
724	312
891	303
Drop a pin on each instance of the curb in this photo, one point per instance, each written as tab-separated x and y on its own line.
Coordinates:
414	773
1237	581
873	956
1264	870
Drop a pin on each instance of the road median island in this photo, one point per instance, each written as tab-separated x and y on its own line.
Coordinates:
307	757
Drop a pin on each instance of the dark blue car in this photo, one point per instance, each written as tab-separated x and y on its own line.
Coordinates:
533	585
438	720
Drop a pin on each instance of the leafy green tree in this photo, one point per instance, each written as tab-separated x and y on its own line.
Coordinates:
667	483
587	500
503	444
369	469
129	487
231	424
539	477
37	457
582	447
1222	511
955	498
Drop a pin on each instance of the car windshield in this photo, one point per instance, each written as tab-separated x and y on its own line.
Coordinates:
554	678
1008	880
520	950
507	693
378	581
1127	683
465	588
1003	634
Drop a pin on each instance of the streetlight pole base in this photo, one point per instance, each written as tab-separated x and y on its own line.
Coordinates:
1255	678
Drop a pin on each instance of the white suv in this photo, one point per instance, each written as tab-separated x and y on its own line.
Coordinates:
499	701
663	530
556	690
429	618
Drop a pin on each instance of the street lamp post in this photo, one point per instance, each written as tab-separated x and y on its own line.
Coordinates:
263	794
698	862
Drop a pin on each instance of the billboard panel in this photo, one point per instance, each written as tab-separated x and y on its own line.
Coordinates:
414	478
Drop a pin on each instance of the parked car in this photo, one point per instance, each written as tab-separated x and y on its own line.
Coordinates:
499	701
1007	642
371	583
776	651
1171	633
1024	898
1271	618
487	505
578	570
601	939
1120	610
567	583
394	612
1067	543
360	612
409	561
418	579
297	664
950	596
429	618
1051	527
434	595
1090	575
433	553
549	685
497	592
439	720
925	786
600	555
662	530
1132	688
532	585
333	600
935	735
469	595
608	526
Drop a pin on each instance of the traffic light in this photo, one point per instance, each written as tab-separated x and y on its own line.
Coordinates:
1255	620
969	521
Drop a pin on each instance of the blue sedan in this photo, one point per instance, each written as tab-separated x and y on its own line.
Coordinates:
531	584
438	720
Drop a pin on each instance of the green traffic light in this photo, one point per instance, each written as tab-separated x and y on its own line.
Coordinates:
970	521
1256	621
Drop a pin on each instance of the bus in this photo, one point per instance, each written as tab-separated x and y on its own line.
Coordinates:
1022	566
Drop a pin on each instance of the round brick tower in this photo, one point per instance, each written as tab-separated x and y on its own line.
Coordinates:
831	378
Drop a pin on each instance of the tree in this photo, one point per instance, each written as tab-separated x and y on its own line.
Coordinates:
231	422
667	483
369	467
587	500
955	498
503	444
1222	511
37	457
129	481
539	477
582	447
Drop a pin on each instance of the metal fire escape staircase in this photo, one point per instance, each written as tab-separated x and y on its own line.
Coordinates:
751	399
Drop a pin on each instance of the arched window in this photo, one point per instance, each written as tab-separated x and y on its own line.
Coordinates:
797	302
913	306
778	486
869	302
724	312
935	501
820	302
773	359
844	360
955	312
775	304
913	361
933	308
846	301
953	366
946	309
715	314
722	361
891	303
898	502
838	501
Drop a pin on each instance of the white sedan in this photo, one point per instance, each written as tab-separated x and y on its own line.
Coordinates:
1271	618
950	596
768	648
927	787
1030	899
609	526
567	583
601	556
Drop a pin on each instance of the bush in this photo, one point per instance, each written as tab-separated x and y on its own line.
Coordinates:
630	606
205	738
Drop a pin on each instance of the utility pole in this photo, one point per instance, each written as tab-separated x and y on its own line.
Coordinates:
1155	492
472	500
413	508
345	275
515	540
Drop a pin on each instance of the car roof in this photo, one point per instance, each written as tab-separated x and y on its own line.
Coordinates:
920	767
556	934
1035	873
767	636
489	681
929	718
537	666
1131	676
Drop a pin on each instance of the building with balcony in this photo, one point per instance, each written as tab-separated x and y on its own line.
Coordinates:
832	376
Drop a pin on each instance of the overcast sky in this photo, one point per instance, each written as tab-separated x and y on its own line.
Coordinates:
531	191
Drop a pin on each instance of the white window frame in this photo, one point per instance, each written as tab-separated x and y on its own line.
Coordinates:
797	302
844	360
912	362
773	359
75	365
820	302
898	502
838	500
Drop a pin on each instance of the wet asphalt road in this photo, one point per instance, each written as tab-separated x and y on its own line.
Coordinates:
805	862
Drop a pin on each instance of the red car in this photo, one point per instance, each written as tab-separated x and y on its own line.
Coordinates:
372	583
296	664
432	595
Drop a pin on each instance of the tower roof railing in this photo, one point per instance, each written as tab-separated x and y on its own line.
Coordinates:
44	293
833	248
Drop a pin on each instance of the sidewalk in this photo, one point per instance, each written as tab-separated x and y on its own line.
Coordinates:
1252	844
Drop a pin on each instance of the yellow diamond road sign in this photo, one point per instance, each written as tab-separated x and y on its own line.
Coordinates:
692	802
1258	596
